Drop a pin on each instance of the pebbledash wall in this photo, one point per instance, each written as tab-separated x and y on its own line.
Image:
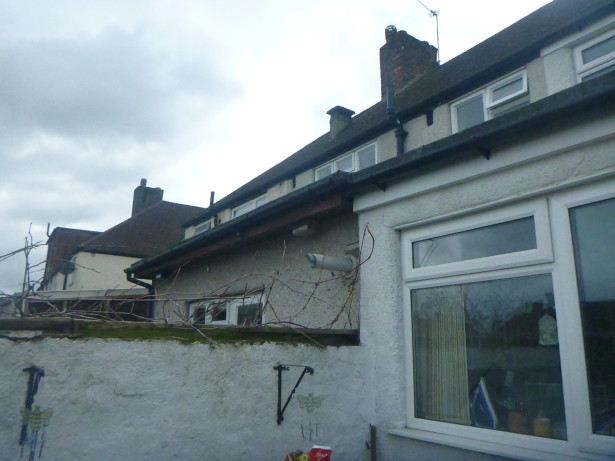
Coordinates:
161	400
578	155
278	270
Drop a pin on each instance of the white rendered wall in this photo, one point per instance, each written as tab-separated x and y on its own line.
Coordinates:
294	291
577	155
95	271
164	400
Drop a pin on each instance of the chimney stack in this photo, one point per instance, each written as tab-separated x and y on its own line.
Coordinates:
404	59
145	197
340	119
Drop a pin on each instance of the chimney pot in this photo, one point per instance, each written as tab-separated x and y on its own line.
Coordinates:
340	119
145	197
389	32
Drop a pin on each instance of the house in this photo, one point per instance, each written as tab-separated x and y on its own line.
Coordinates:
465	222
84	270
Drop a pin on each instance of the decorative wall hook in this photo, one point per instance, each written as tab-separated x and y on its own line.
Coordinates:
280	368
34	378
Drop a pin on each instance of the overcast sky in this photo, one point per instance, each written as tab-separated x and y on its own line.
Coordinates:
194	95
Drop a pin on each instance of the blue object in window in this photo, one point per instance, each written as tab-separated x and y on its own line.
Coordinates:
483	414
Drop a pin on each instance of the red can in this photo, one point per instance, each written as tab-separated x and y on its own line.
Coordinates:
318	453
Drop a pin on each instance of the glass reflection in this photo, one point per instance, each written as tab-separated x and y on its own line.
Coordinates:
593	231
487	354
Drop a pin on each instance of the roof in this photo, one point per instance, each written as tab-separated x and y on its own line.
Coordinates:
334	193
499	54
61	244
146	233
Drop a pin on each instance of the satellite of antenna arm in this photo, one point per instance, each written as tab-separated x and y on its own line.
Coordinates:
434	13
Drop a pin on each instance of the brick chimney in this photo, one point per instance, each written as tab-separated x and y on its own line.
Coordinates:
340	119
145	197
403	59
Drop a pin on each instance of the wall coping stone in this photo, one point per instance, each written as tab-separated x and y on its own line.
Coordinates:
69	327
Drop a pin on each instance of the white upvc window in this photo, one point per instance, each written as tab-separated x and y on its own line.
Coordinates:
596	57
497	98
510	322
249	206
362	158
242	310
204	226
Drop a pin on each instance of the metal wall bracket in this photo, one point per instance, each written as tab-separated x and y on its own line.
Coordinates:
484	151
280	368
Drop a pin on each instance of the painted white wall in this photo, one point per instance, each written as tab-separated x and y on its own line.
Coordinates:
559	59
95	271
575	155
163	400
280	189
294	291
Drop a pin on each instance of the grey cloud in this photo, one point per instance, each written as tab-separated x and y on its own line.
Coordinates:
108	85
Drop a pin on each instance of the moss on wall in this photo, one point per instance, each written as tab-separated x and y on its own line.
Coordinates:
76	328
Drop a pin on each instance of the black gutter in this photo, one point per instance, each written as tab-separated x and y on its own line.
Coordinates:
336	183
481	138
501	53
150	290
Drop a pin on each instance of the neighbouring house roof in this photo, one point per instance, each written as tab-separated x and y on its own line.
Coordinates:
333	195
61	244
499	54
146	233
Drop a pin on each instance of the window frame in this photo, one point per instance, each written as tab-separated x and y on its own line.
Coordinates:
578	397
206	226
542	254
585	70
486	93
333	164
232	305
250	205
557	259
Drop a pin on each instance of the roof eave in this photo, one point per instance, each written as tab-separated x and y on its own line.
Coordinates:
484	137
334	185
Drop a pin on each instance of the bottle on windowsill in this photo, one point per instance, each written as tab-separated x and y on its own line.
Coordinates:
542	425
517	417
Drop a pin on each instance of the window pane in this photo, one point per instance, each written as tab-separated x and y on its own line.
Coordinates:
198	315
366	157
203	227
508	89
593	231
345	164
506	237
218	312
243	209
598	73
260	202
324	172
598	50
470	113
510	106
249	314
486	354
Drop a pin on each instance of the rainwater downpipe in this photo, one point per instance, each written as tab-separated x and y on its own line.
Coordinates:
150	290
391	112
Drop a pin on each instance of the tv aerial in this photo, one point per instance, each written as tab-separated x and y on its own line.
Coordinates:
434	13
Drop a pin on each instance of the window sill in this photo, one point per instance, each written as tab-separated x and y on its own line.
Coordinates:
553	449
